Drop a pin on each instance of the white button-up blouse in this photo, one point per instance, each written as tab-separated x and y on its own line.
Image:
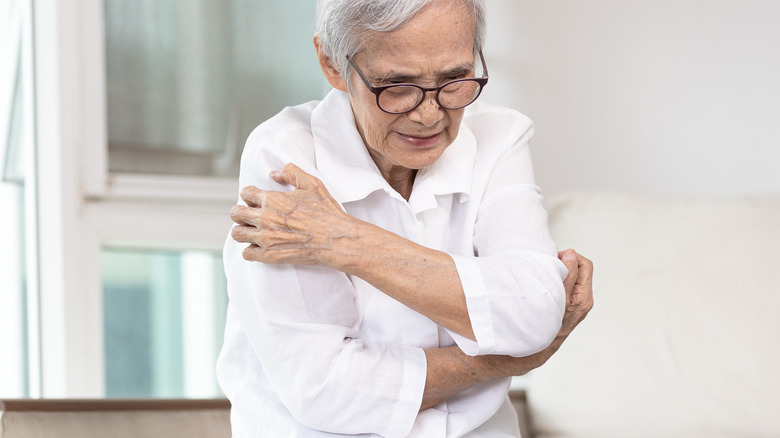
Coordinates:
312	352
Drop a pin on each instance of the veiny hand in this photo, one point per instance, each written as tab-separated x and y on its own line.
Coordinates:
298	227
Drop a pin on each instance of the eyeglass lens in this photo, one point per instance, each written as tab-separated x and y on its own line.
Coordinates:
454	95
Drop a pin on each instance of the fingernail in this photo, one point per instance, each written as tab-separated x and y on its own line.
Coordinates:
569	256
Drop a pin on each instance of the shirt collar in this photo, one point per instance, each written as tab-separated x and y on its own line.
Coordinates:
343	160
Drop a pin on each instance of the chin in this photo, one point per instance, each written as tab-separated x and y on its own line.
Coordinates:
425	160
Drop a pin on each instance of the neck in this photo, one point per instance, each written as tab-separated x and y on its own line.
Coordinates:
400	178
402	181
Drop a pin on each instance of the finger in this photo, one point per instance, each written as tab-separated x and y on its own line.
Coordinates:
583	289
585	270
269	239
245	234
253	196
243	215
254	253
294	176
569	259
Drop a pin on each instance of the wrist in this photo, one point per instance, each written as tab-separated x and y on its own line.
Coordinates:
339	247
351	251
371	252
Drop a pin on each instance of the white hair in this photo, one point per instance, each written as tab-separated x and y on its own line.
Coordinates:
343	25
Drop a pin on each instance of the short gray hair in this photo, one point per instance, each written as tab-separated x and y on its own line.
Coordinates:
342	25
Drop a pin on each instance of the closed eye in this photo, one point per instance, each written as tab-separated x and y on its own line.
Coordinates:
454	74
455	78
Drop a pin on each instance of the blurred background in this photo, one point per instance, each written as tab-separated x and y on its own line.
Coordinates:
121	125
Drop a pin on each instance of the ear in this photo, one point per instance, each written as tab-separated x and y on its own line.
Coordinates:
329	69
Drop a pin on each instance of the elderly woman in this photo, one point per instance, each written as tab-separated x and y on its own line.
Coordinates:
399	268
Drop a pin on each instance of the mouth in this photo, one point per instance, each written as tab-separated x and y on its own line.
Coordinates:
421	140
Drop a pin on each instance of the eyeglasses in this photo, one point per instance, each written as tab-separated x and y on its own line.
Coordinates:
402	98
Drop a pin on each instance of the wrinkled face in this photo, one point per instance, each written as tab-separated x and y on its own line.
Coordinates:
436	46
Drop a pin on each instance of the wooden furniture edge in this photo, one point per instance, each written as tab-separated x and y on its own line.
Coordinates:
518	395
519	399
110	404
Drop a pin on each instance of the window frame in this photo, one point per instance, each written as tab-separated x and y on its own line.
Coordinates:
20	329
83	207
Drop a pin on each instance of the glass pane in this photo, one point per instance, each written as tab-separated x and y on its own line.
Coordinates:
164	316
18	302
188	81
13	293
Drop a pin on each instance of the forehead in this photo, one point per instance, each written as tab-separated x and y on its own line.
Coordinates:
441	34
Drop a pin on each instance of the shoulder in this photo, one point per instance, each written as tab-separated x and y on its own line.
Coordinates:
497	131
290	122
284	138
497	125
503	157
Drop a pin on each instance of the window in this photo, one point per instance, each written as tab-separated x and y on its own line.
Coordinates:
187	82
142	111
164	312
185	85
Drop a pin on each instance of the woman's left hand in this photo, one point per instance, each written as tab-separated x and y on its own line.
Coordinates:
297	227
579	289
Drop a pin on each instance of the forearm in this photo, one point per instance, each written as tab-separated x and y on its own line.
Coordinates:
423	279
451	371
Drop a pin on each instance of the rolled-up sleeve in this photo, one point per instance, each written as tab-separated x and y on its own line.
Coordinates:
514	283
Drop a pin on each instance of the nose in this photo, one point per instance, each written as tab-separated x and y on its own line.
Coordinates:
428	112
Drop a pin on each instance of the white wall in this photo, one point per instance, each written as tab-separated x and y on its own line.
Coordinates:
669	96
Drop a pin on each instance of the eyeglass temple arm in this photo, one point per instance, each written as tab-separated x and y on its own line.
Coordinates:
484	65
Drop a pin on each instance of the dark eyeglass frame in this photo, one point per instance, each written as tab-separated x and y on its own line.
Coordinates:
378	90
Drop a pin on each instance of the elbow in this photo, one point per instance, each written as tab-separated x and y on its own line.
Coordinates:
548	331
313	406
332	409
524	329
338	392
318	400
546	317
537	336
526	314
548	321
307	408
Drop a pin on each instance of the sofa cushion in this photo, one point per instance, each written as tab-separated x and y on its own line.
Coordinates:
684	338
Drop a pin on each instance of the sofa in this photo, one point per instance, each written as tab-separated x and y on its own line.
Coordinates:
684	336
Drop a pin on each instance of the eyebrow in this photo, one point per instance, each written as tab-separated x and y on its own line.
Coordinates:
456	71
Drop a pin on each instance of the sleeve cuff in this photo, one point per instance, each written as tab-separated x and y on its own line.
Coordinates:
478	308
411	392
